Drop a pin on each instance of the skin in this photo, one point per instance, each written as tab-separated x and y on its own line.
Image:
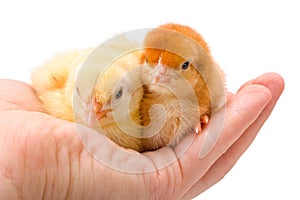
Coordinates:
43	157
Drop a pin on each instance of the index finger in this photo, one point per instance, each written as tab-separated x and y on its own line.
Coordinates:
242	109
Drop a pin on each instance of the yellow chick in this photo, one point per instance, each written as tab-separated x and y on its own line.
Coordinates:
175	53
112	107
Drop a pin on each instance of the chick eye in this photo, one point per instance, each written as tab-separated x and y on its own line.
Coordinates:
119	93
185	65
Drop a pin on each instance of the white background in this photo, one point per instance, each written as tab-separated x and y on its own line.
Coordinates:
247	39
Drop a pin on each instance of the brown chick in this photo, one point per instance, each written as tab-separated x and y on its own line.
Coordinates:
178	58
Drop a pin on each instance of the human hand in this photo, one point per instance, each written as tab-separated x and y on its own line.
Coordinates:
44	157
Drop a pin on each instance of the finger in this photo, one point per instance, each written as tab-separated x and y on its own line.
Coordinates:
241	111
262	81
221	167
270	79
17	95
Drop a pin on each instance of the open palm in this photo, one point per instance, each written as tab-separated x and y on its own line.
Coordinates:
44	157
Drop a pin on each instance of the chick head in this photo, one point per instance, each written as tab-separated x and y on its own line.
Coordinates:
116	99
176	47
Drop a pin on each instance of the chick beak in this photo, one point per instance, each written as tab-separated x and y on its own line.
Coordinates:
101	111
97	112
160	74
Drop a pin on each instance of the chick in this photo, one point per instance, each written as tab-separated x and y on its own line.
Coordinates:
112	107
174	52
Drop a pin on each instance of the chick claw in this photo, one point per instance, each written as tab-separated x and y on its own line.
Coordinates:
204	119
198	128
